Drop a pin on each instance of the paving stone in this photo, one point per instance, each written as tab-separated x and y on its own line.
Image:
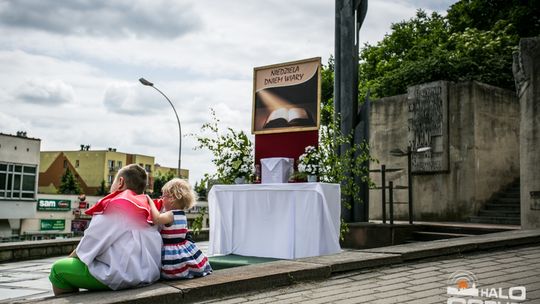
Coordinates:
362	299
385	287
427	293
422	287
396	299
390	293
531	280
382	282
424	269
395	275
429	274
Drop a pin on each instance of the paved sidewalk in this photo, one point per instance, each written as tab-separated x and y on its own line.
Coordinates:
415	273
419	282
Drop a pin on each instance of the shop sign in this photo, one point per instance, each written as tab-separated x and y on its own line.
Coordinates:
53	205
53	225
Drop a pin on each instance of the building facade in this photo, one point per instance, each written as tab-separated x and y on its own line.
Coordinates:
19	167
91	168
163	171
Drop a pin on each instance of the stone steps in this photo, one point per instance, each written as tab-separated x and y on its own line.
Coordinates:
503	208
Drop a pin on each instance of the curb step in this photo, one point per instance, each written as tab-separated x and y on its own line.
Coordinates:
432	236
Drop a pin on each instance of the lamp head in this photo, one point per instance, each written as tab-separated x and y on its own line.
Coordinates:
423	149
146	82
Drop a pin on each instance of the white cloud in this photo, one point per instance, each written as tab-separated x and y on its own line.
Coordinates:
43	92
132	99
115	19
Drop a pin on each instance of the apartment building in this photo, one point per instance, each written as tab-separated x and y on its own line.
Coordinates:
91	168
19	165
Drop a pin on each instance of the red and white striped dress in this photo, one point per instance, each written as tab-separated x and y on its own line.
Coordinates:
180	257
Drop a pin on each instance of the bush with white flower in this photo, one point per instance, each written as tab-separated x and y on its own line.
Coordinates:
232	152
310	161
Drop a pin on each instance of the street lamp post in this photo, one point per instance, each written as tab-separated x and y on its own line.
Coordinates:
150	84
399	152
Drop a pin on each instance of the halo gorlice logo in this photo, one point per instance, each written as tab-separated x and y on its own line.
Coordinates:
463	289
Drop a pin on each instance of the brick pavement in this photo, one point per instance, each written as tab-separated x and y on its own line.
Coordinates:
421	282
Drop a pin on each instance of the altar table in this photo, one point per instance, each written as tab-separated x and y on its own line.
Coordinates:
285	221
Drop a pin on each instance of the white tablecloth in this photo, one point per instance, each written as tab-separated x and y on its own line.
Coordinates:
285	221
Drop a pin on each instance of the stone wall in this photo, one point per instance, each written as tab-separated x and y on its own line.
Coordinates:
482	149
527	74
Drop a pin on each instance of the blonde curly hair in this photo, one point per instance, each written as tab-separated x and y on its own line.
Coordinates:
180	192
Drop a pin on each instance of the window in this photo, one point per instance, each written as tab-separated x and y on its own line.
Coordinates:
119	164
148	168
110	165
77	163
110	179
17	181
65	163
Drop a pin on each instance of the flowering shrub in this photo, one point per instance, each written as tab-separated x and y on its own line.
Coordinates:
310	162
232	151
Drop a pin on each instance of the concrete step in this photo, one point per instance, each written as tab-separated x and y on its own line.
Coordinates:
424	236
502	206
462	228
499	213
506	200
508	194
496	220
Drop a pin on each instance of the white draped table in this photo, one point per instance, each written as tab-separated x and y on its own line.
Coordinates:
285	221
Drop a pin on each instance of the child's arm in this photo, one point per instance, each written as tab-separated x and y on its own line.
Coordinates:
159	218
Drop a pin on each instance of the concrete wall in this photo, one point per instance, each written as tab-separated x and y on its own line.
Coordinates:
527	74
483	152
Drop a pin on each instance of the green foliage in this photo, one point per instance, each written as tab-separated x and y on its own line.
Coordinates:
102	190
484	15
69	184
200	188
232	151
327	92
197	225
343	168
475	41
159	181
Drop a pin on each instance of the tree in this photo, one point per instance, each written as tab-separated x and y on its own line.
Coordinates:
484	15
200	189
475	41
327	92
159	182
102	190
69	184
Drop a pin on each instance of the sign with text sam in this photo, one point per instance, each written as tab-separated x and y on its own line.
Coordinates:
286	97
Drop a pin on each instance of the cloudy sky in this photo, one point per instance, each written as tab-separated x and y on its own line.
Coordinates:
70	68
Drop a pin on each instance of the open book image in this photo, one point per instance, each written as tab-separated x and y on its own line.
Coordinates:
289	117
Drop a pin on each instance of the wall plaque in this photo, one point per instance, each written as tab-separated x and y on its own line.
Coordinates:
428	126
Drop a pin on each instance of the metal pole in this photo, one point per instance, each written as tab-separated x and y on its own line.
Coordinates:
383	193
179	132
391	197
409	180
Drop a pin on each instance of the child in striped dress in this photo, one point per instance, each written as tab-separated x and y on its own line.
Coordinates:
180	257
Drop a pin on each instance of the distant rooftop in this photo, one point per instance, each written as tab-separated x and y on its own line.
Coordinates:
20	134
